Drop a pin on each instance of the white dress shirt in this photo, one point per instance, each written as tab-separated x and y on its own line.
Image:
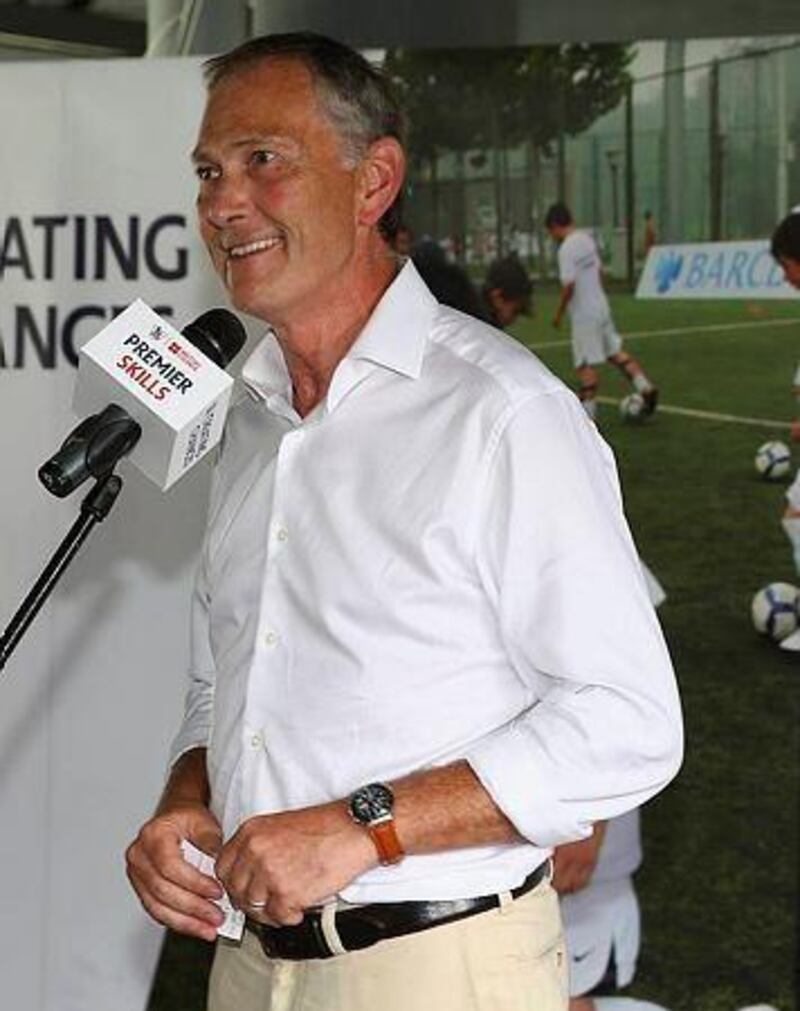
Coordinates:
433	565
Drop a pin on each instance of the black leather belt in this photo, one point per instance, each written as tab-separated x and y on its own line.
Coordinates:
363	926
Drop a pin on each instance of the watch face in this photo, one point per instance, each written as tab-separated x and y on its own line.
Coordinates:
372	803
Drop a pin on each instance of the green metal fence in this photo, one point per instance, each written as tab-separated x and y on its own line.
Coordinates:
739	169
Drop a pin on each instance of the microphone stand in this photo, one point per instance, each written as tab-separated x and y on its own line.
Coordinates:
94	509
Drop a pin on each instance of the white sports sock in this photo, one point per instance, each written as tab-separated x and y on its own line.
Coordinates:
641	383
791	526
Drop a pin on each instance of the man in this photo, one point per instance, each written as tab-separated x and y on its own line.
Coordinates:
422	649
594	336
507	291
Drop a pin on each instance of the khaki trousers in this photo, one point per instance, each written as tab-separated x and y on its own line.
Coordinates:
507	959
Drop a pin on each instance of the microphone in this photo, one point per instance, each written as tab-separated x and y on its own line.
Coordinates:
150	391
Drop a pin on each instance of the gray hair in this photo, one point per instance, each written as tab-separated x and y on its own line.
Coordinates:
355	96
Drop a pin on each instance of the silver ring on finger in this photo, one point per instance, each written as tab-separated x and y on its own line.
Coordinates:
257	905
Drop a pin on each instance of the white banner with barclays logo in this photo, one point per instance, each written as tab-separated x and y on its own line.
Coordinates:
713	270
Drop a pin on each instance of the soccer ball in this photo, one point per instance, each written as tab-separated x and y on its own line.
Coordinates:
775	610
632	408
773	460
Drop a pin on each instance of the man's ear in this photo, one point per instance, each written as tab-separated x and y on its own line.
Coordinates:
381	174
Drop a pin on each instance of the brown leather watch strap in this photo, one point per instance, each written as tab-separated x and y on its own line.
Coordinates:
387	843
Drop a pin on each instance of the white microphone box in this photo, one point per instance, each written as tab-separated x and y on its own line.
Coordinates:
178	395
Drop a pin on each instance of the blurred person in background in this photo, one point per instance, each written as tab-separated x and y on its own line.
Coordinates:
403	240
448	282
785	248
507	291
594	337
649	236
594	880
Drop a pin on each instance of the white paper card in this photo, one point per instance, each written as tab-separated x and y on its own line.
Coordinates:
233	925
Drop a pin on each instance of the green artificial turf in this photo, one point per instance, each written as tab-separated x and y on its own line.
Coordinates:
719	883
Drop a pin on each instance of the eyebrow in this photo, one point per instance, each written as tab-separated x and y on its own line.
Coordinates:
199	155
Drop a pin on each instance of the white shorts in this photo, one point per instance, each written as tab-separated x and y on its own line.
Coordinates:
593	341
601	920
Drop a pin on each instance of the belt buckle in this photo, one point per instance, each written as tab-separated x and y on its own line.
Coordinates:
267	944
295	943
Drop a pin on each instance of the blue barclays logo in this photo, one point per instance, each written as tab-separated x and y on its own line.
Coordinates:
737	269
743	269
667	270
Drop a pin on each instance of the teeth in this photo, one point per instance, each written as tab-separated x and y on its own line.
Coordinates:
253	247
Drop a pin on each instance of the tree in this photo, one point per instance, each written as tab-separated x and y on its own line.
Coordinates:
535	92
461	100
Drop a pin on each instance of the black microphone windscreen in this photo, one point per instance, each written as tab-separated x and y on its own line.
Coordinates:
218	334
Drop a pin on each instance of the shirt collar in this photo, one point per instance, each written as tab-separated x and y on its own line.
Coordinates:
394	337
397	331
265	374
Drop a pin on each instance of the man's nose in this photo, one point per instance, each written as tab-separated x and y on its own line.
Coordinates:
223	202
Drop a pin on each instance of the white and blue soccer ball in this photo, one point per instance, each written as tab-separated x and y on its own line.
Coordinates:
633	408
775	610
773	460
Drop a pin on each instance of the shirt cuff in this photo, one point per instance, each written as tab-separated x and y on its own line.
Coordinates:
510	774
193	734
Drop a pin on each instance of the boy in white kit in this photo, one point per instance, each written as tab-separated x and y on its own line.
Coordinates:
594	336
599	907
785	248
601	917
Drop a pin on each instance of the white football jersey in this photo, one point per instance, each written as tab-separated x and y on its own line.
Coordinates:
621	852
579	264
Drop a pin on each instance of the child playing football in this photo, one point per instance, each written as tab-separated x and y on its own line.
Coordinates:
786	251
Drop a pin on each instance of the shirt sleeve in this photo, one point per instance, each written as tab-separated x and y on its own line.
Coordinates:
566	265
603	732
195	729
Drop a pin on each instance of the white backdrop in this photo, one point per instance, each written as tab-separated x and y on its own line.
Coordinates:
92	695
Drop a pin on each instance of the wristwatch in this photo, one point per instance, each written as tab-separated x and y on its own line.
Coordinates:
373	807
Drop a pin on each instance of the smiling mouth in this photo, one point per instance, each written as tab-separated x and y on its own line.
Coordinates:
249	248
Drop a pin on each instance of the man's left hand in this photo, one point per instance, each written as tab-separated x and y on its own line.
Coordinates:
278	865
574	863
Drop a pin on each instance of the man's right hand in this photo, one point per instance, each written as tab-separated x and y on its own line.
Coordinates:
170	889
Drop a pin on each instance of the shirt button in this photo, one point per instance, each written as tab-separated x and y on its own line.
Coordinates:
271	638
283	534
255	741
